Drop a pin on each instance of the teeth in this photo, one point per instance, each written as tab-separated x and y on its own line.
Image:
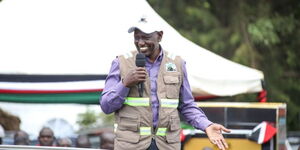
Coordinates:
143	48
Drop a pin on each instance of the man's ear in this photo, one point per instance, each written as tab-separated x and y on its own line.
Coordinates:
160	34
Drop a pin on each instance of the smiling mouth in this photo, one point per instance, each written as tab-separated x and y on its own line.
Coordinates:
144	49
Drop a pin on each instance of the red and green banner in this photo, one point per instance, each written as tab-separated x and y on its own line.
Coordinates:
83	89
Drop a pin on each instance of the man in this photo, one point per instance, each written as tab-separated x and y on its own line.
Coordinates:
21	138
107	140
152	121
83	141
46	137
2	134
64	142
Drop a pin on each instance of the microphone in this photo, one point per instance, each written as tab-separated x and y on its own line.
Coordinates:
140	61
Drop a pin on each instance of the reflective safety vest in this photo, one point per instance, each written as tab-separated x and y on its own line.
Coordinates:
134	121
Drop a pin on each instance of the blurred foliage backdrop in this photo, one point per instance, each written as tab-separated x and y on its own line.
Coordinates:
90	119
261	34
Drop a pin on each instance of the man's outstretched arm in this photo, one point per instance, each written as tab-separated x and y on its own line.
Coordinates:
188	108
196	117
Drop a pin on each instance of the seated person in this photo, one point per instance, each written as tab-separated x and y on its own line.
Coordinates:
64	142
2	134
83	141
21	138
107	140
46	137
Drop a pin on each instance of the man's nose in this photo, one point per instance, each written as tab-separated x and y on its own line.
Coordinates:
141	42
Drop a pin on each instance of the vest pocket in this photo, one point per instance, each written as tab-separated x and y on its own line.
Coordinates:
128	129
173	134
171	81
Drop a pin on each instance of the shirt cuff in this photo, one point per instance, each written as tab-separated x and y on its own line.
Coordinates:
205	124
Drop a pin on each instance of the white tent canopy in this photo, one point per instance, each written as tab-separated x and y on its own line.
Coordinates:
84	36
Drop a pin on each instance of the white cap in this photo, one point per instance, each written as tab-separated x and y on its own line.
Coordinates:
145	24
2	134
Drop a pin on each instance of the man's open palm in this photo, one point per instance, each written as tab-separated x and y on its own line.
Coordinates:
214	133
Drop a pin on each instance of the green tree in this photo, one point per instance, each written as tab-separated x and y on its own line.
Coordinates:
87	119
90	119
258	33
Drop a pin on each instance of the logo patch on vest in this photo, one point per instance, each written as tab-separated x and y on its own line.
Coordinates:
170	67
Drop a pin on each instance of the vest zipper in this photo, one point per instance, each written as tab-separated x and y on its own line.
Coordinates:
159	107
151	114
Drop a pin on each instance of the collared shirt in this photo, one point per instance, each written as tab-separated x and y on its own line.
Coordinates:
114	94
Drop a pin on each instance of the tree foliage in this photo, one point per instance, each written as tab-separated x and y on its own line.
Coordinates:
90	119
261	34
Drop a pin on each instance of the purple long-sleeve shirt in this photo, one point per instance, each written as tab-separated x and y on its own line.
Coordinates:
114	94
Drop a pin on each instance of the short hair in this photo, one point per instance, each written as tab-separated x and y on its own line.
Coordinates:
83	141
107	140
65	142
46	132
46	128
21	138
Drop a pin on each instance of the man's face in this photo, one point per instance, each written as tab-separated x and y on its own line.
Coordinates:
46	138
147	44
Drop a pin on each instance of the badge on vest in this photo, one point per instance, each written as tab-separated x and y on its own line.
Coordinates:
170	67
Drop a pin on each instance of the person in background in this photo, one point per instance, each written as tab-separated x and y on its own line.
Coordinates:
46	137
2	134
83	141
21	138
107	140
64	142
147	95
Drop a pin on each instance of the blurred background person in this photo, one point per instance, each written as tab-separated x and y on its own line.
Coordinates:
107	140
2	133
46	137
21	138
64	142
83	141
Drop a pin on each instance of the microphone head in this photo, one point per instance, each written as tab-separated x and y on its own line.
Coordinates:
140	60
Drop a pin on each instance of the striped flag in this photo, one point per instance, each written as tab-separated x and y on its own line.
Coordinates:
262	133
85	89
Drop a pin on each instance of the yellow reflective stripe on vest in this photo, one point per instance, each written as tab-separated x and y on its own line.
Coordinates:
161	131
137	101
173	103
145	130
144	101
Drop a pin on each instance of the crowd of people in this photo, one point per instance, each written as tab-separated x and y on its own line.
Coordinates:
47	137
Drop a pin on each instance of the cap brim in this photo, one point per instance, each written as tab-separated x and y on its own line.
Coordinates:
130	30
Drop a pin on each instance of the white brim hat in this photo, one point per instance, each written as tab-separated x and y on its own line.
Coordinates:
146	25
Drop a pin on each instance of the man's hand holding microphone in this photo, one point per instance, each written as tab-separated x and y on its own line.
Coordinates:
138	75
